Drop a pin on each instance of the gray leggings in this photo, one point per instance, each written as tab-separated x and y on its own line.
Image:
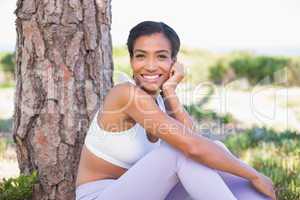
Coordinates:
166	173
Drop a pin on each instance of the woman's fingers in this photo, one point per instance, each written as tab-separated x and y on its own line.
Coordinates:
264	185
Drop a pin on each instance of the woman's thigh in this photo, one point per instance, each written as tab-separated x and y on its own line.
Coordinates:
92	190
151	178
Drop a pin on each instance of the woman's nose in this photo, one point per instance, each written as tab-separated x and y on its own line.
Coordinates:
151	65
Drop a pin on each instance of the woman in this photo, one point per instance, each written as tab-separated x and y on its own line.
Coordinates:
142	144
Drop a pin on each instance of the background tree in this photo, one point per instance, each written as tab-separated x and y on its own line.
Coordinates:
63	71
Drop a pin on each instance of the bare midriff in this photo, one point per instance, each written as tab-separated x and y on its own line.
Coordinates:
92	168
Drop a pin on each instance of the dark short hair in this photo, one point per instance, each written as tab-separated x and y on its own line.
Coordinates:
149	28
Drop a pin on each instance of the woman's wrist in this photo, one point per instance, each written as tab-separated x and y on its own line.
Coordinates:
171	100
252	173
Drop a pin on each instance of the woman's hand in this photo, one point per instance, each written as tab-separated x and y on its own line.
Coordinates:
176	75
264	185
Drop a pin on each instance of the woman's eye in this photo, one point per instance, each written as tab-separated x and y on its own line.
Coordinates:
162	56
139	56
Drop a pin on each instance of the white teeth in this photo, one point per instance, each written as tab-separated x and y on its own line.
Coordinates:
151	77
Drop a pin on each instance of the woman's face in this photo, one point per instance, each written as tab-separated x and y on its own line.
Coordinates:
151	61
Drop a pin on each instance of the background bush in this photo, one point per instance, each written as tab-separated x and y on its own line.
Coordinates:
256	69
7	62
19	188
218	72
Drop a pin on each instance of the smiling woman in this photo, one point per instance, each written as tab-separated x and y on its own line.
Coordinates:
142	144
153	49
151	62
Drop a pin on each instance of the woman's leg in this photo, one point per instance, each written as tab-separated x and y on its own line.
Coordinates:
154	176
168	162
178	192
240	187
92	189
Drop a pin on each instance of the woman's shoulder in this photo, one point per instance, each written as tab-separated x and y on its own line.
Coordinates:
121	92
115	102
126	90
127	86
121	88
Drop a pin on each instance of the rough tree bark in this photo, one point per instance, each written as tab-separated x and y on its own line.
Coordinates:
63	71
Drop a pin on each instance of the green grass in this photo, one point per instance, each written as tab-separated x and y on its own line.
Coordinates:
275	154
4	53
200	114
7	85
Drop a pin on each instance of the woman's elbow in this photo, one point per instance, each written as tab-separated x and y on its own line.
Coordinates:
202	149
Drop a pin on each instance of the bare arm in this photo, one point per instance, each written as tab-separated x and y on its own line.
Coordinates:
175	109
141	107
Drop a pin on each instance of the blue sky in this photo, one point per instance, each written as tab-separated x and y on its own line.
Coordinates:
223	25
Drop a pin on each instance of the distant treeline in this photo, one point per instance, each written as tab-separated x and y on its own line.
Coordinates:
203	65
257	70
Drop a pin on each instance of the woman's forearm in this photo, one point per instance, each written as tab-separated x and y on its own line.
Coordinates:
206	151
175	109
209	153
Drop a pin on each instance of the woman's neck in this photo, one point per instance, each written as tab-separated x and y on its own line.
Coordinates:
153	94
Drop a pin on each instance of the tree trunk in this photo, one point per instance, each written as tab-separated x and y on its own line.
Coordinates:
63	71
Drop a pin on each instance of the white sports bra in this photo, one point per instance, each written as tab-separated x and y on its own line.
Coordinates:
122	148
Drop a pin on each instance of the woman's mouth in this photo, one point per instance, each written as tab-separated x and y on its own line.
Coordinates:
151	78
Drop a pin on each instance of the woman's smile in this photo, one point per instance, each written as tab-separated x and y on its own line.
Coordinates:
151	78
